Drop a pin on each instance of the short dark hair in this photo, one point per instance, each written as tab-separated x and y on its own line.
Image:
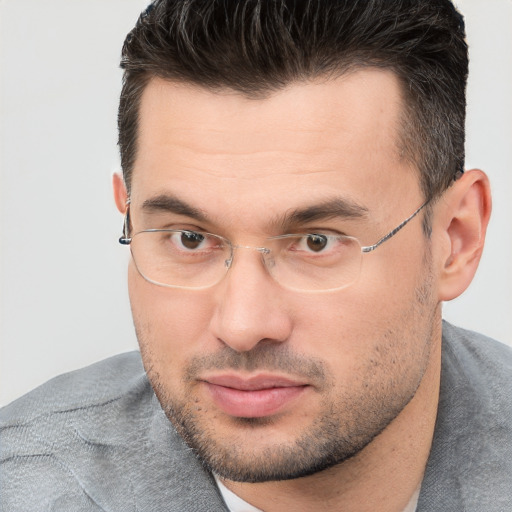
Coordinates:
255	47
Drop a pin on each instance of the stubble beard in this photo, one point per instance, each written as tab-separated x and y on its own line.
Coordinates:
348	423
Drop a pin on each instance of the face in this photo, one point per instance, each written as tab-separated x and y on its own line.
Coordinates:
264	382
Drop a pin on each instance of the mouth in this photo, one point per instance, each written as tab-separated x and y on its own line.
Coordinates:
253	397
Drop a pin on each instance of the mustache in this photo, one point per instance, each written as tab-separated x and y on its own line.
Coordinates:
263	357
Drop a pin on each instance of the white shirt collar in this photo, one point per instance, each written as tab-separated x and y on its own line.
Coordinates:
237	504
234	502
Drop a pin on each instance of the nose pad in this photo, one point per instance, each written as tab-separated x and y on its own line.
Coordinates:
268	260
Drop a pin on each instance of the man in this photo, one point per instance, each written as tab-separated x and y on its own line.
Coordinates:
297	211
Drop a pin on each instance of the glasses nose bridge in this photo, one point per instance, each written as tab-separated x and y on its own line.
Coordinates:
264	251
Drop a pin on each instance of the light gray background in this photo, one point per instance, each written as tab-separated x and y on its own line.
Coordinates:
63	295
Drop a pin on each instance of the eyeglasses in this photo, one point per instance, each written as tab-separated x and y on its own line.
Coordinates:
178	258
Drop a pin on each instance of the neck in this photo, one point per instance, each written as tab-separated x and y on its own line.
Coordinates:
383	476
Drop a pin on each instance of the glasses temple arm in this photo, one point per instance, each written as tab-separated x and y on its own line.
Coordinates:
125	239
392	233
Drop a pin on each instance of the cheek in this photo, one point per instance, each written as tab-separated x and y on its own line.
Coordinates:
171	324
365	327
342	323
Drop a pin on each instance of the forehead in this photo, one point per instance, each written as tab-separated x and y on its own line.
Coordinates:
311	138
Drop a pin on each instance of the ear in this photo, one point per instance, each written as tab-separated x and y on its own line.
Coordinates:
120	194
466	208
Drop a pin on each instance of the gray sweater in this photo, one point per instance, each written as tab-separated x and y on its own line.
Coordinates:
97	439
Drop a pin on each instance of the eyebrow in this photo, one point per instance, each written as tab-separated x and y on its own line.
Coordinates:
171	204
338	207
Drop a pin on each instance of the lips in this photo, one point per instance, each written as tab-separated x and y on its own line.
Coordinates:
254	397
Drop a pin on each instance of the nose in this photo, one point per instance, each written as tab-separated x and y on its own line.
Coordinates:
250	306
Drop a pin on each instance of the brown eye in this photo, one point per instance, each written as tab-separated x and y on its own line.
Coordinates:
191	240
317	243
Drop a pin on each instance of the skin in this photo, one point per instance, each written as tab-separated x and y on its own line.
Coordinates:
367	357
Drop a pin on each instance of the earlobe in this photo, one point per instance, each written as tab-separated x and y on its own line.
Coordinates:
468	208
120	194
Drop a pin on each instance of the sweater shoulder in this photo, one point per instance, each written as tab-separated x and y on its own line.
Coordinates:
94	385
